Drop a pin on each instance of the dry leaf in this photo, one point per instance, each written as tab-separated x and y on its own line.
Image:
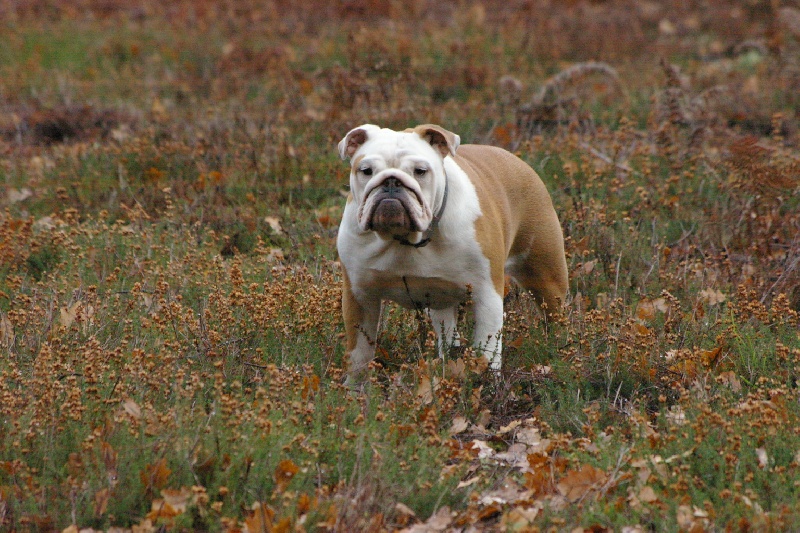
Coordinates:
684	455
602	299
520	519
542	370
305	503
459	424
284	473
529	436
440	520
19	195
646	309
730	380
511	426
275	224
647	495
632	529
483	419
404	510
516	456
516	343
155	476
712	296
275	255
6	331
426	388
161	509
763	458
666	27
178	499
260	519
676	416
69	314
132	408
456	369
483	448
158	108
509	492
101	498
437	522
789	18
468	482
684	517
578	484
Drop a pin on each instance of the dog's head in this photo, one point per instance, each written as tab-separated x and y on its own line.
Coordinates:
397	177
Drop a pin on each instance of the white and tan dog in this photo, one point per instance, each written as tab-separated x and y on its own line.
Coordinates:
427	220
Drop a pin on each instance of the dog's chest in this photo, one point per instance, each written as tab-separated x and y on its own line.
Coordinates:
415	292
422	278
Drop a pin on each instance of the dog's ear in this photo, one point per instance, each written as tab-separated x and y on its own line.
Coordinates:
354	139
446	142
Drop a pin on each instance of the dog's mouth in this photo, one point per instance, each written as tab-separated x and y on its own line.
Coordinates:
392	208
390	214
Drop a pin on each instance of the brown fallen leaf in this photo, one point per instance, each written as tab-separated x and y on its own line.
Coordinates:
19	195
763	458
284	473
712	296
275	224
132	408
647	495
160	509
178	499
155	475
69	314
578	484
459	424
259	519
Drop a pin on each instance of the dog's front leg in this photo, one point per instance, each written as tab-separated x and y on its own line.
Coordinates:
444	323
361	329
488	310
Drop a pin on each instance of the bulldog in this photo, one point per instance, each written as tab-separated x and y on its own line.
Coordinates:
428	222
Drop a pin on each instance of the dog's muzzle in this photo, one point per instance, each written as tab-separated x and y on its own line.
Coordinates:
390	209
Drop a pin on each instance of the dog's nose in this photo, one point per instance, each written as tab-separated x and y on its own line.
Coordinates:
391	184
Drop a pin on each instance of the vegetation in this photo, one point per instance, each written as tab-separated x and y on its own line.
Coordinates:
171	350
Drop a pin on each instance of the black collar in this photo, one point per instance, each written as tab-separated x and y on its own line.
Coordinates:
431	228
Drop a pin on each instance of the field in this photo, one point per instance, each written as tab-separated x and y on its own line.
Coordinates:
171	346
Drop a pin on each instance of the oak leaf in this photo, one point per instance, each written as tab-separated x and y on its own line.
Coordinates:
155	475
284	473
712	296
578	484
160	509
647	495
178	499
67	315
259	519
459	424
275	224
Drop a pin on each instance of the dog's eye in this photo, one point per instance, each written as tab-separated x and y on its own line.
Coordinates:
420	171
366	171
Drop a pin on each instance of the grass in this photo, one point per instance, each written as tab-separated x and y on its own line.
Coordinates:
171	347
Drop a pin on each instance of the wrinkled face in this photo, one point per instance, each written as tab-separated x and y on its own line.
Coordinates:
394	179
